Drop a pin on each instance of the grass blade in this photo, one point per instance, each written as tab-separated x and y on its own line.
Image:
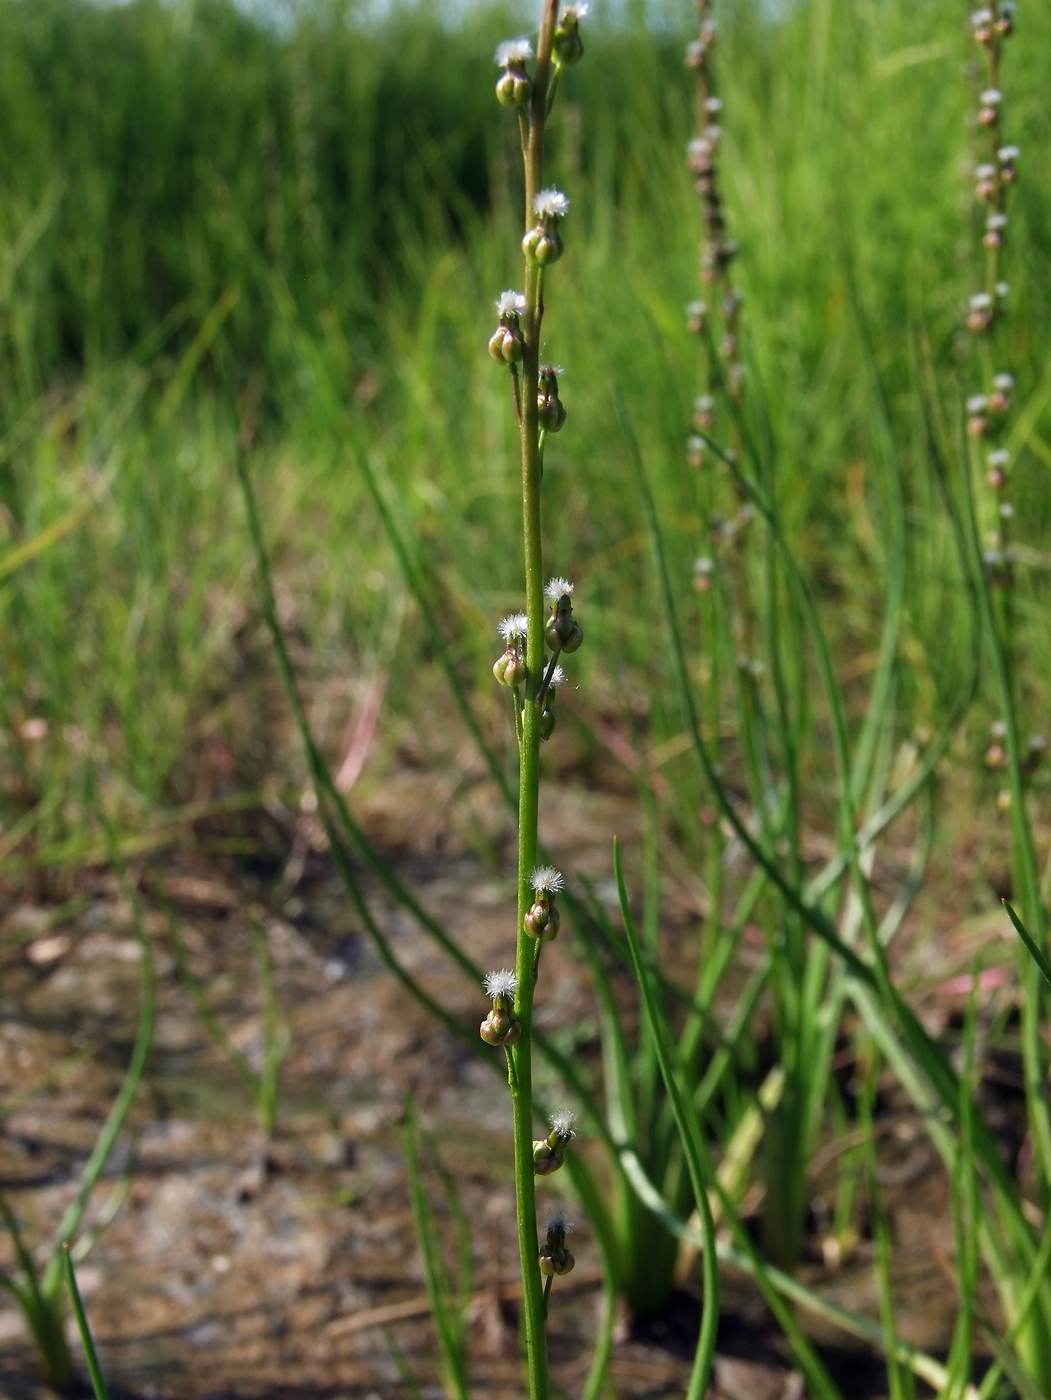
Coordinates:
1030	944
98	1383
701	1175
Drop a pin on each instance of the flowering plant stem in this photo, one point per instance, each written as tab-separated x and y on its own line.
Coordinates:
519	1057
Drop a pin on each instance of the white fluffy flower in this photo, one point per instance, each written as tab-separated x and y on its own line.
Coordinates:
559	1220
510	303
558	588
513	51
550	204
514	626
500	984
991	96
563	1123
558	677
545	879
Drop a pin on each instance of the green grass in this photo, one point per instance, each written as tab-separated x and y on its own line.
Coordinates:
843	152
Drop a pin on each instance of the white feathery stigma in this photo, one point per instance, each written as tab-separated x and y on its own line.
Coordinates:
545	879
500	984
564	1123
550	204
558	677
510	303
513	627
513	51
577	11
559	1220
557	589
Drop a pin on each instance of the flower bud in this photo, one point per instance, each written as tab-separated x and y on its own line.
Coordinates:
500	1026
695	317
561	1263
995	756
980	312
985	176
1036	749
998	568
549	1153
989	113
543	920
704	413
554	1257
546	1159
514	87
996	477
550	411
506	344
1004	25
509	669
1000	398
547	722
562	631
700	154
994	231
567	45
543	243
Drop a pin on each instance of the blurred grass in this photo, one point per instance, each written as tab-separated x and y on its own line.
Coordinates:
322	211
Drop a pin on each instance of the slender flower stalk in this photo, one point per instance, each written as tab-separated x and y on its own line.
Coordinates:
525	667
996	172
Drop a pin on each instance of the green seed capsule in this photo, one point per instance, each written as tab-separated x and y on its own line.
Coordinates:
509	669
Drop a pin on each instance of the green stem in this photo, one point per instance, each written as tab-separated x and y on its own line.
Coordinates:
529	770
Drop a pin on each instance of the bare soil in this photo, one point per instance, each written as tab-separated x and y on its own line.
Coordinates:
239	1267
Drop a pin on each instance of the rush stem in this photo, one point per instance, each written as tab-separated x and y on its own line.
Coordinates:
529	771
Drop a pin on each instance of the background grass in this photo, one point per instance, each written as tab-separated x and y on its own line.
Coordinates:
321	210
